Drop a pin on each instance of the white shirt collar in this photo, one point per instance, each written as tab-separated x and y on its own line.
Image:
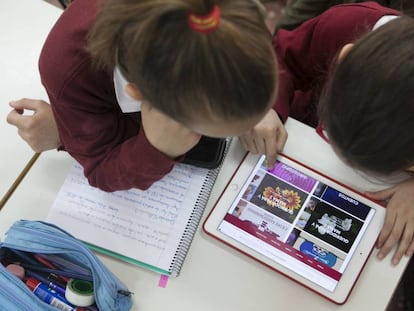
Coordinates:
383	20
126	102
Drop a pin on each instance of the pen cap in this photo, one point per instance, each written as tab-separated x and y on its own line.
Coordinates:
32	283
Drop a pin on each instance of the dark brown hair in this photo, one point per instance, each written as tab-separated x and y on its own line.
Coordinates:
229	73
368	105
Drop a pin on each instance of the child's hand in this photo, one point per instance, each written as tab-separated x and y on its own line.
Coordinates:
38	129
399	220
165	134
268	137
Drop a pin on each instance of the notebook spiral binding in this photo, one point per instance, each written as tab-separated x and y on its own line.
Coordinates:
194	221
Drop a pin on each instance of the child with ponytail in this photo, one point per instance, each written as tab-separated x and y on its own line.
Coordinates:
134	84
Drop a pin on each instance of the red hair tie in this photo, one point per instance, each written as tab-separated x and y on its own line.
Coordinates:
206	23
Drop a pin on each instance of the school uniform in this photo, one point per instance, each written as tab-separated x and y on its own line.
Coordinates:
305	55
100	126
103	134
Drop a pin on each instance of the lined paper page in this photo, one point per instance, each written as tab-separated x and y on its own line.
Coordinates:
143	225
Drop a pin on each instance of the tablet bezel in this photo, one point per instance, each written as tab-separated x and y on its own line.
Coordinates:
361	254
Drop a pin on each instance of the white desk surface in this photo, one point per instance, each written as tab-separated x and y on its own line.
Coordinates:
214	276
24	26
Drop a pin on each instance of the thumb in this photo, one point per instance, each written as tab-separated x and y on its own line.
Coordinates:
16	107
382	194
23	104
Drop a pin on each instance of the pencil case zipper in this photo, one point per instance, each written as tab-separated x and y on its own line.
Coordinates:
24	235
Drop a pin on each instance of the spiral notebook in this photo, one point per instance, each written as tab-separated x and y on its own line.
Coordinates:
152	228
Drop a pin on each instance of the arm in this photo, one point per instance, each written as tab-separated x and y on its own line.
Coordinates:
38	129
117	150
398	228
112	146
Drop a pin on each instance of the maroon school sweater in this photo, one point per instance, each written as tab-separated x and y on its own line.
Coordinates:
306	54
111	145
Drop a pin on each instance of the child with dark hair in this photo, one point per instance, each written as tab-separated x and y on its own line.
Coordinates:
360	57
369	120
134	84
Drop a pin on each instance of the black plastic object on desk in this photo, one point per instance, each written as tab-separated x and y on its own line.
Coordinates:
208	153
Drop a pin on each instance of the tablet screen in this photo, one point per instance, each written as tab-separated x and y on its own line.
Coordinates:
298	221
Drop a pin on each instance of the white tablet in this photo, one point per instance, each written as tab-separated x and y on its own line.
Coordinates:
298	222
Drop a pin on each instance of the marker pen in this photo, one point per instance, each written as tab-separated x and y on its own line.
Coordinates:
55	287
49	296
55	279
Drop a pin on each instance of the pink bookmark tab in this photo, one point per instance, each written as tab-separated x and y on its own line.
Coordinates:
163	281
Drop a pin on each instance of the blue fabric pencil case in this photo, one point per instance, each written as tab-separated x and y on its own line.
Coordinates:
36	238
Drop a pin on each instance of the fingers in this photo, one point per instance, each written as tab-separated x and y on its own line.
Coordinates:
249	143
20	121
405	243
15	117
18	110
272	148
269	143
389	221
25	103
259	145
267	137
390	234
398	228
281	138
37	129
276	146
410	250
271	151
403	235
